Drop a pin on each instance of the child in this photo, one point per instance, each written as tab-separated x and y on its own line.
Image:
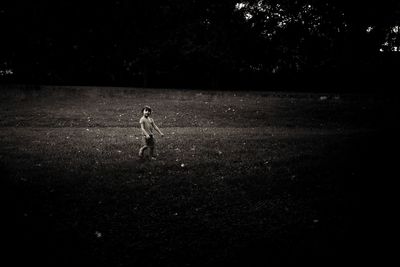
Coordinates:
147	126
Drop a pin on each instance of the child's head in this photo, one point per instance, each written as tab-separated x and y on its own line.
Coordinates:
146	110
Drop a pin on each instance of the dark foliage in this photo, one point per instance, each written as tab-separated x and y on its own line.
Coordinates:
204	44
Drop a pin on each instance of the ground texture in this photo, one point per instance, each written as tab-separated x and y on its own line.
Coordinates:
241	178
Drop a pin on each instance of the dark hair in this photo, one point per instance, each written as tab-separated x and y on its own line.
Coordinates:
146	108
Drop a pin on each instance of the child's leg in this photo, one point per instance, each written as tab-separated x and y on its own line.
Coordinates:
151	151
151	144
141	150
144	147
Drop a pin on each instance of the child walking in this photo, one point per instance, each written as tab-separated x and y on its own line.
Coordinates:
148	127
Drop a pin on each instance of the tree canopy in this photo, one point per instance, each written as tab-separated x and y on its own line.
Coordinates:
198	43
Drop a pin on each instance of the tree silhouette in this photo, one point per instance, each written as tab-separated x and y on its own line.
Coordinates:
182	43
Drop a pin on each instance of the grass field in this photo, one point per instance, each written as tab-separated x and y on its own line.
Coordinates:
241	177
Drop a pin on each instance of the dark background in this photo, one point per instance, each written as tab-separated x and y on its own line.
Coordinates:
304	45
268	45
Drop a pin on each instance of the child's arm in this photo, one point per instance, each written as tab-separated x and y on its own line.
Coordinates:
157	129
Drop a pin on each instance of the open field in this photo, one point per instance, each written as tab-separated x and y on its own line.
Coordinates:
241	177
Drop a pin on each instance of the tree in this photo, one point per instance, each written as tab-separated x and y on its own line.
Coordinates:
196	42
